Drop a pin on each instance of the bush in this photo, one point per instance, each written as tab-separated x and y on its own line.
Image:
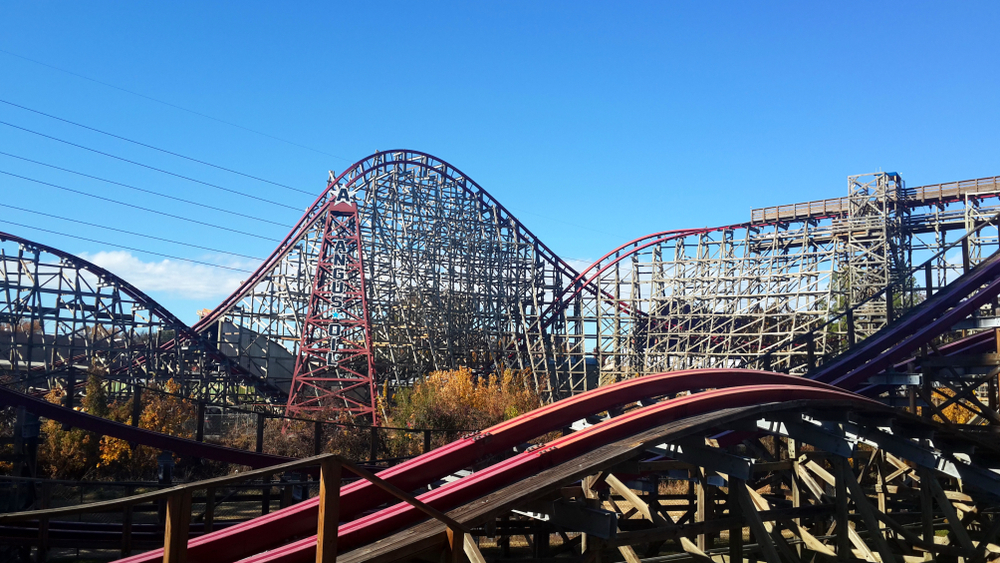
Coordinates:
457	401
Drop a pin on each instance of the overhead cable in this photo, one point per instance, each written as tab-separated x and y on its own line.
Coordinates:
175	106
165	214
160	170
131	232
115	245
148	146
151	192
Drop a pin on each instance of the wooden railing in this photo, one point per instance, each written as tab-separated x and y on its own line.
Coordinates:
178	514
920	195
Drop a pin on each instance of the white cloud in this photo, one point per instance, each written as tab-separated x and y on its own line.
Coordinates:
171	277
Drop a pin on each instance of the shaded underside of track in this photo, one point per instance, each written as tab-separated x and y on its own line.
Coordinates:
427	536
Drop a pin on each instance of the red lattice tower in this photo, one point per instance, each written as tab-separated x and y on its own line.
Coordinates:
333	370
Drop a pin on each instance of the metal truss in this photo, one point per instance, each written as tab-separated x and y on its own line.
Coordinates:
334	366
61	315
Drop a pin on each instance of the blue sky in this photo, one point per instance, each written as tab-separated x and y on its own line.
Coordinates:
594	123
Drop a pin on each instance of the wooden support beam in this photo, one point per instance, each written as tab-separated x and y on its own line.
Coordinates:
176	533
701	506
472	550
774	531
629	495
757	526
961	534
456	545
735	510
694	551
329	511
867	513
209	517
126	524
843	524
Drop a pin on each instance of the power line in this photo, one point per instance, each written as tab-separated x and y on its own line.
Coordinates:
162	171
114	245
152	192
131	232
175	106
64	188
216	166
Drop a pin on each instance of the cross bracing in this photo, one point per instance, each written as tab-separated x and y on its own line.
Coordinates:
453	279
61	316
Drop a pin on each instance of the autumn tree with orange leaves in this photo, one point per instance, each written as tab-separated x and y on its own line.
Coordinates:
457	400
75	453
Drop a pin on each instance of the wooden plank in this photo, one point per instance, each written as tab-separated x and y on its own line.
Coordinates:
757	526
867	512
472	550
633	499
175	538
949	511
820	472
696	553
329	511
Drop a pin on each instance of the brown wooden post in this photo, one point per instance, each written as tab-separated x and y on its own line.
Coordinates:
175	537
318	438
793	456
286	493
889	305
427	441
209	509
265	495
700	505
851	339
127	524
843	521
373	444
260	432
199	434
505	533
736	531
926	509
929	280
966	259
456	545
43	522
136	404
994	384
329	511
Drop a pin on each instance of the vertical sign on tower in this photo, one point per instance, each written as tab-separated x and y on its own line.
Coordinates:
334	373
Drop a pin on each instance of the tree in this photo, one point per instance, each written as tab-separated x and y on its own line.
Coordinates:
458	400
165	413
73	453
